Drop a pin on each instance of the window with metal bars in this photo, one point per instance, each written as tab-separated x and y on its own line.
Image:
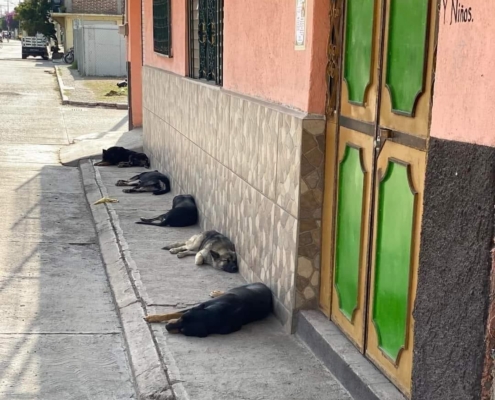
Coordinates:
206	40
162	27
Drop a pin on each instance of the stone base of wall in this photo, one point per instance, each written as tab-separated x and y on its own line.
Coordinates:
256	171
453	292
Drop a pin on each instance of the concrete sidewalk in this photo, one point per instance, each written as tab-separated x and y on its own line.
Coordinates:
258	362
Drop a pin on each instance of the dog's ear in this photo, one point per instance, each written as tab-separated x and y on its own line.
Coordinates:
104	151
215	255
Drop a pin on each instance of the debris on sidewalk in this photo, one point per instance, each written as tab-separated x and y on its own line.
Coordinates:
121	92
106	200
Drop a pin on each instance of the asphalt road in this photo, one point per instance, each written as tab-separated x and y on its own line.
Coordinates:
60	337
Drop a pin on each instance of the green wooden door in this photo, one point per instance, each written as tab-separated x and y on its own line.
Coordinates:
382	142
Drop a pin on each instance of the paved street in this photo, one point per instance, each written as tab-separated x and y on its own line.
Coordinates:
60	336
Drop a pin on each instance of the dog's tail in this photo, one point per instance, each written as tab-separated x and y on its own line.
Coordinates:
165	183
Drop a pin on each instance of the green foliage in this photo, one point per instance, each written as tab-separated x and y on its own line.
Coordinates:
33	16
73	65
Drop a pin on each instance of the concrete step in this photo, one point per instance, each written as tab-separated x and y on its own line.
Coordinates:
356	373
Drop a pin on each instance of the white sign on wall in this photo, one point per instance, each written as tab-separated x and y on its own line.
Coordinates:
301	6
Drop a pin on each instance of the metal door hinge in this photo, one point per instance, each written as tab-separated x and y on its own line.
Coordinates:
383	135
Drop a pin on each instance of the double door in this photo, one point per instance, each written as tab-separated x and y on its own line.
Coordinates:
382	135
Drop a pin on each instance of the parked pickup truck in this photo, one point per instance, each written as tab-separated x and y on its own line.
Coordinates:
34	46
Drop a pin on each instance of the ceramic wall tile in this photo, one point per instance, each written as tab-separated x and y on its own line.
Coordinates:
269	122
223	128
284	257
310	214
245	163
210	115
236	139
250	142
193	111
170	100
288	164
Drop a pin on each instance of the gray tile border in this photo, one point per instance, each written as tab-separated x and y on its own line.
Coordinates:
358	375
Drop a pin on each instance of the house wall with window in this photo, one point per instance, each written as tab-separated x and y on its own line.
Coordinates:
66	21
97	6
262	61
233	114
177	61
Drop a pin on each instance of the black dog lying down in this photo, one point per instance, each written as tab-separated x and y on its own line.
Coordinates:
123	158
224	314
154	182
183	213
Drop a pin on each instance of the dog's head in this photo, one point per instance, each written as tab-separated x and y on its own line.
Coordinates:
192	323
139	160
226	261
104	155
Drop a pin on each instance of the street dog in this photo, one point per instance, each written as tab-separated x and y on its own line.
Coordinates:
210	248
224	314
183	213
123	158
154	182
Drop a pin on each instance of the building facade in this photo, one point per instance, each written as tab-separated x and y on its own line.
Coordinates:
89	12
345	148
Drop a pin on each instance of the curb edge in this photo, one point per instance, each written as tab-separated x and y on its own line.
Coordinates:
66	101
149	372
61	86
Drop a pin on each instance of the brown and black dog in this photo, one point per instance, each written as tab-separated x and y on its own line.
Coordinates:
123	158
154	182
224	314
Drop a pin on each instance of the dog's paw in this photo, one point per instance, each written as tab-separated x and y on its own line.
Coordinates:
123	165
198	260
166	248
152	318
183	254
172	251
127	191
120	183
215	293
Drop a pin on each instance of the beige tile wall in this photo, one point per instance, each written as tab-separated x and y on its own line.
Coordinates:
241	159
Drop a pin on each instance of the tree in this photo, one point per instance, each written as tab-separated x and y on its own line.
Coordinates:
8	21
33	16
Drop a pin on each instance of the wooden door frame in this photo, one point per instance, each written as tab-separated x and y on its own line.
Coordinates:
333	102
334	84
334	119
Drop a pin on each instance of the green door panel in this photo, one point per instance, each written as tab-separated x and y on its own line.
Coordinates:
349	228
358	47
393	257
406	53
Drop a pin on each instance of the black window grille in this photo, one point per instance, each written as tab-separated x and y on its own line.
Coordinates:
206	40
162	33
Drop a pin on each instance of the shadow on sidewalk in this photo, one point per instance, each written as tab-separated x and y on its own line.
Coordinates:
60	336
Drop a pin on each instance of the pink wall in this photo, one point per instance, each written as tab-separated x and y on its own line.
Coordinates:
134	56
464	93
177	63
259	55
